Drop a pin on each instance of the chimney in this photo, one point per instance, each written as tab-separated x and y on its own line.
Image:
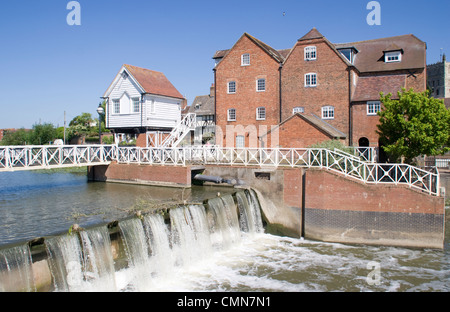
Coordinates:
211	90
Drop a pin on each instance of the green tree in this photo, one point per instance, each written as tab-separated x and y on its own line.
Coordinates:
18	137
42	134
413	125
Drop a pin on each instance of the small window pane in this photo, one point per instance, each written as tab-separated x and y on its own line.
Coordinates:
232	114
116	106
261	113
136	105
261	85
245	59
310	80
373	107
232	87
328	112
298	110
310	53
240	141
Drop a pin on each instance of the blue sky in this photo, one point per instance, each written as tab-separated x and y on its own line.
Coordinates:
50	67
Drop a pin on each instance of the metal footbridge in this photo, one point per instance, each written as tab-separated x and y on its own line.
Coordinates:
358	167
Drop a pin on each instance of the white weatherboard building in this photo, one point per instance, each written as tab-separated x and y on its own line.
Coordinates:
140	101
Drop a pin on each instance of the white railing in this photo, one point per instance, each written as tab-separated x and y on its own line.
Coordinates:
179	132
45	157
336	161
52	156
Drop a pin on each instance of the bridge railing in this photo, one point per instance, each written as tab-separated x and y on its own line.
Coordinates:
53	156
336	161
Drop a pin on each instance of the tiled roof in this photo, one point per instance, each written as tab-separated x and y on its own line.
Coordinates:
278	55
315	121
369	88
312	34
153	82
202	105
371	53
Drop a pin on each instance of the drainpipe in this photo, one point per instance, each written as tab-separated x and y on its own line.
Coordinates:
215	97
280	94
350	121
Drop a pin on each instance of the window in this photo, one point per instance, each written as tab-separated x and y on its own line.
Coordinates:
232	87
261	113
328	112
231	114
310	53
240	141
245	59
116	106
391	57
136	105
349	54
298	110
152	106
261	85
311	80
373	107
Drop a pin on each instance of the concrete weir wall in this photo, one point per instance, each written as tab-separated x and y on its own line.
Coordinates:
315	204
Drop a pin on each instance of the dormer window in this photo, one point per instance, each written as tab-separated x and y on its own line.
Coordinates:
392	57
349	54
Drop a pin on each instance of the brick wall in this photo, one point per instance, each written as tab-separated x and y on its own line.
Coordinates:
332	83
246	100
342	210
295	133
142	174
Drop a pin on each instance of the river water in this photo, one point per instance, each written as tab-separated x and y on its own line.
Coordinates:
37	204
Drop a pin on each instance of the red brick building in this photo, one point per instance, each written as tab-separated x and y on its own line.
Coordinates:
258	89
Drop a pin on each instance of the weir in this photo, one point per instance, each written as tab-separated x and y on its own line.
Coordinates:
134	254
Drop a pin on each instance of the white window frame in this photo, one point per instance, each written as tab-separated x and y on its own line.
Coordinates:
310	80
373	107
231	114
328	112
116	106
298	109
136	109
240	141
393	57
229	91
310	53
261	85
261	113
245	59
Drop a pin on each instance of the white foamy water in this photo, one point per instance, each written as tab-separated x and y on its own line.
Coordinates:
263	262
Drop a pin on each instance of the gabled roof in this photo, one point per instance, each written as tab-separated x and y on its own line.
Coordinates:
369	88
371	53
315	34
150	81
316	122
312	34
277	55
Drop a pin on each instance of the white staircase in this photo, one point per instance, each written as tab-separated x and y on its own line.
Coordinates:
178	133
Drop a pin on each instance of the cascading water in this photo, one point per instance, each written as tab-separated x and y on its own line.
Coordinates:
156	249
16	269
249	212
223	221
191	239
82	263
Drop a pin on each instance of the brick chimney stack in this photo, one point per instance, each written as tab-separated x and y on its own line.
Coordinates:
211	90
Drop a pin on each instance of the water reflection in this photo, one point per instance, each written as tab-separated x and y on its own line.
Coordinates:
35	204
